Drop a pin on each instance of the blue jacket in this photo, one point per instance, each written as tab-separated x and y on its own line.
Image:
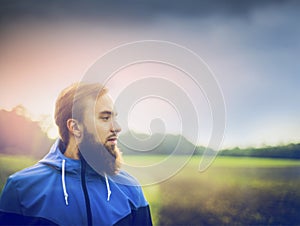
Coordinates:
62	191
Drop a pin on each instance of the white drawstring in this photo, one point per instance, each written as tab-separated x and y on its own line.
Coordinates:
107	187
64	182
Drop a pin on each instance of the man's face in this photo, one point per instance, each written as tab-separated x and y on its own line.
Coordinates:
101	128
100	119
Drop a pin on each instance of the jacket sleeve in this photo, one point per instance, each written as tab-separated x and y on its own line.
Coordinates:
11	209
142	216
138	217
9	203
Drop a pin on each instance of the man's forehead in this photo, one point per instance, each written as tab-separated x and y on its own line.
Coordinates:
103	103
104	100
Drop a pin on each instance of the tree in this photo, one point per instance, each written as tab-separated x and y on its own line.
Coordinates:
19	135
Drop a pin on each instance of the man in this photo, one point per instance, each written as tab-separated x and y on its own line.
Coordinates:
79	182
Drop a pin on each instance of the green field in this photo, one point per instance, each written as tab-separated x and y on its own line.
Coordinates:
232	191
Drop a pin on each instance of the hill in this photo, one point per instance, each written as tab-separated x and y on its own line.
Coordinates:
132	143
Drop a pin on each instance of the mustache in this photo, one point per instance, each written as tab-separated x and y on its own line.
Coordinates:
112	136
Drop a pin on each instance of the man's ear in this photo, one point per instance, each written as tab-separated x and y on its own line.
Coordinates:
75	128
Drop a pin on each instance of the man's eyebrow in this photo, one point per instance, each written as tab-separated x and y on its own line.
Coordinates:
108	113
105	113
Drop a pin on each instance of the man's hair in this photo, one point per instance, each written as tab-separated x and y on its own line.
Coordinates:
70	104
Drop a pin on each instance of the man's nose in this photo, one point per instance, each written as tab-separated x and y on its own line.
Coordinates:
116	127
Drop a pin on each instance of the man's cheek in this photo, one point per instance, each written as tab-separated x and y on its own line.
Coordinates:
101	140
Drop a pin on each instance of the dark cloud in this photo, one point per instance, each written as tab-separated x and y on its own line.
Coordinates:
11	10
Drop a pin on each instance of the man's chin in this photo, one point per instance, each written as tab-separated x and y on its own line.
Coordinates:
111	149
106	157
114	160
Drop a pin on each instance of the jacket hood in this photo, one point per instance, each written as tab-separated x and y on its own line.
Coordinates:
55	158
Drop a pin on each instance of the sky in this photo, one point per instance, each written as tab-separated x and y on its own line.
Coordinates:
252	48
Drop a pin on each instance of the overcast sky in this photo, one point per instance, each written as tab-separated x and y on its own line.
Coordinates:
253	48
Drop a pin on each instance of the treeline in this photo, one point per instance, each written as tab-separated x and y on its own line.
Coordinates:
291	151
19	135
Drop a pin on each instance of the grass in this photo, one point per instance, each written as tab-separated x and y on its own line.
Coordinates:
248	162
153	195
232	191
11	164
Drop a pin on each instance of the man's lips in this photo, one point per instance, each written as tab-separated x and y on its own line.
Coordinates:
112	139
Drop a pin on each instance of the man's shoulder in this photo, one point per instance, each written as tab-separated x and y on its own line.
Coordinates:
130	186
33	172
126	179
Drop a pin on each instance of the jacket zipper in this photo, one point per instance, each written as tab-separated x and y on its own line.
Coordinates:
85	192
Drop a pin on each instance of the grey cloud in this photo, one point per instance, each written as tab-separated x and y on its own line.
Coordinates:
129	9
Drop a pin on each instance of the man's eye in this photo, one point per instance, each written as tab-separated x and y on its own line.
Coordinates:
105	118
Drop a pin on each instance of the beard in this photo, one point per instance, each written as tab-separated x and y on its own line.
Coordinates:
105	159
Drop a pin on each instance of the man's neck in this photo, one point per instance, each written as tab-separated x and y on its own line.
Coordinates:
72	150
